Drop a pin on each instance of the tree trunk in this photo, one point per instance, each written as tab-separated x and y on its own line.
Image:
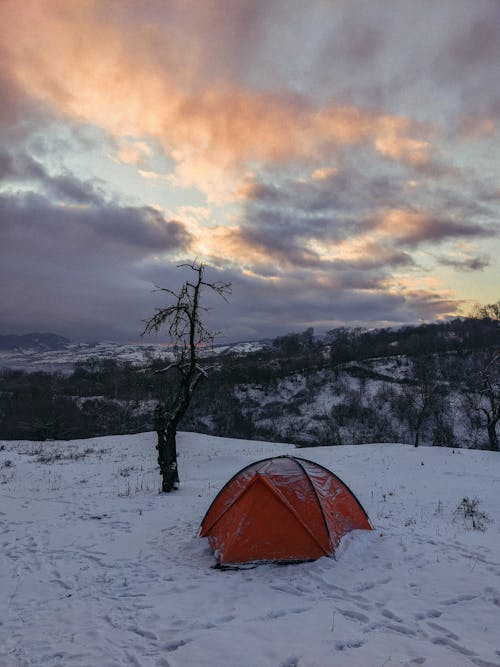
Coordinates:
167	450
417	430
492	436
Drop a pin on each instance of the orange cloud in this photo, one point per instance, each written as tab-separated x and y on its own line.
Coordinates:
403	223
402	149
229	242
322	173
93	63
132	152
427	290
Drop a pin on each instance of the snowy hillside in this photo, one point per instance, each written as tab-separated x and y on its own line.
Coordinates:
99	569
62	358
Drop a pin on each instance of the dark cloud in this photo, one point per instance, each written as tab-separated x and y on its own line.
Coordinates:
376	257
473	263
347	189
477	46
467	62
22	168
81	211
74	268
89	229
436	61
20	114
435	229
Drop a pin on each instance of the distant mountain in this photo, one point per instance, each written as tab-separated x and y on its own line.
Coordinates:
41	341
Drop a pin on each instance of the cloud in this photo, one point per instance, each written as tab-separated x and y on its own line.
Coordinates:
22	168
322	173
465	256
132	152
82	65
305	299
346	220
473	126
89	272
469	264
411	228
77	267
467	62
79	232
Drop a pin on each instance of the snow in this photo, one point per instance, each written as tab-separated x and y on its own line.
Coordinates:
100	570
62	360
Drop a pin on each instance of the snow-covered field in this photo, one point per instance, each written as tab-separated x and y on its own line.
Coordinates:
99	570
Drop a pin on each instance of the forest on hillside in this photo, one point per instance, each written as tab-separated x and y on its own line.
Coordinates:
434	384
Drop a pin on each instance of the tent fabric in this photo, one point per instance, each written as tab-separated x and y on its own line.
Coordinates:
281	509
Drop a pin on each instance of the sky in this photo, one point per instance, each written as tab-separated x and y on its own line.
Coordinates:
337	161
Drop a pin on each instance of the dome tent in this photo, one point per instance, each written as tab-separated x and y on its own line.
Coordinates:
282	509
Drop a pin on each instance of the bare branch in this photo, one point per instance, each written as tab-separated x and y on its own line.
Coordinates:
165	370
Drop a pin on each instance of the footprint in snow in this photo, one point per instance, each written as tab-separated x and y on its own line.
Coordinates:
458	599
341	646
293	661
61	583
441	628
391	615
401	629
354	615
445	641
142	633
172	646
162	662
279	613
431	613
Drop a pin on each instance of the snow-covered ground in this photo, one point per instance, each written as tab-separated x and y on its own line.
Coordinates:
99	570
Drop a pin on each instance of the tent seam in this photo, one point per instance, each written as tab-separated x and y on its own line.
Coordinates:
318	500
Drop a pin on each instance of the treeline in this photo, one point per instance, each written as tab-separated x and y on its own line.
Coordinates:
354	344
92	401
422	384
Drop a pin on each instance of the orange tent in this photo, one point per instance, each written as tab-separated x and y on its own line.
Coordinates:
281	509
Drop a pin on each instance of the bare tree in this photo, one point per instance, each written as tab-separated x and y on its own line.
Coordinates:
484	396
486	379
491	391
422	393
189	335
487	311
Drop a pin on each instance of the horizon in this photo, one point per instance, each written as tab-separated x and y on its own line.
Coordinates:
221	340
348	181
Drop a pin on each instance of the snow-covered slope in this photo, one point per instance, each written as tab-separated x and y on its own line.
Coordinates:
62	359
97	569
